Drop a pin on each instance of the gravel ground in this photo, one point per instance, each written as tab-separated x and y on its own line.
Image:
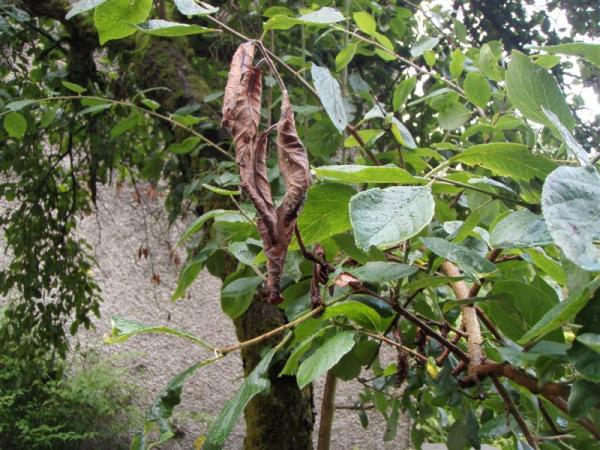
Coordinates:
126	221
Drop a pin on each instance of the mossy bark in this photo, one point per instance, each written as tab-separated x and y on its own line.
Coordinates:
283	418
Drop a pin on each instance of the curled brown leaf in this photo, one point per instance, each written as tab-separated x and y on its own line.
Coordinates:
241	116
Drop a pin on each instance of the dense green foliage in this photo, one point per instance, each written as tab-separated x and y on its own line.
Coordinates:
85	404
455	201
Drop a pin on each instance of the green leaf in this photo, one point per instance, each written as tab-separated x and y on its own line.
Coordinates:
254	384
73	87
358	312
557	316
187	146
123	329
168	29
464	432
583	397
590	340
477	89
531	87
325	213
188	275
193	8
471	262
488	63
365	22
401	134
454	116
571	207
199	223
367	174
424	44
220	191
237	296
589	52
518	307
457	64
125	125
520	229
325	357
386	217
572	145
116	19
95	109
83	6
368	136
322	17
162	409
330	94
508	160
402	91
382	271
19	105
344	57
15	125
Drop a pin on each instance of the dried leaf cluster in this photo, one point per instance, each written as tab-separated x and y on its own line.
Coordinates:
241	116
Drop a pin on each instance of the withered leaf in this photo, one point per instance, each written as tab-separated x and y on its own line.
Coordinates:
241	116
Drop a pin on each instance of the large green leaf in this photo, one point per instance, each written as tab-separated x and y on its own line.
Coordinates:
192	269
384	217
588	51
122	329
367	174
362	314
330	95
454	116
83	6
115	19
477	89
169	29
471	262
321	17
557	316
15	125
326	212
382	271
199	223
572	145
571	207
508	160
194	8
530	87
237	296
325	357
162	409
518	306
583	397
520	229
590	340
254	384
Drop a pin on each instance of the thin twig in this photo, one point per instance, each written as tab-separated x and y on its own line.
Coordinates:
515	412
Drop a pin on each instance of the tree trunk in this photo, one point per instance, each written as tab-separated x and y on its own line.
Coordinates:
283	418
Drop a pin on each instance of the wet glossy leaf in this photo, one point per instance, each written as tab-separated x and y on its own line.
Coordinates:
194	8
382	271
330	95
326	212
385	217
571	207
507	159
520	229
471	262
367	174
83	6
169	29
